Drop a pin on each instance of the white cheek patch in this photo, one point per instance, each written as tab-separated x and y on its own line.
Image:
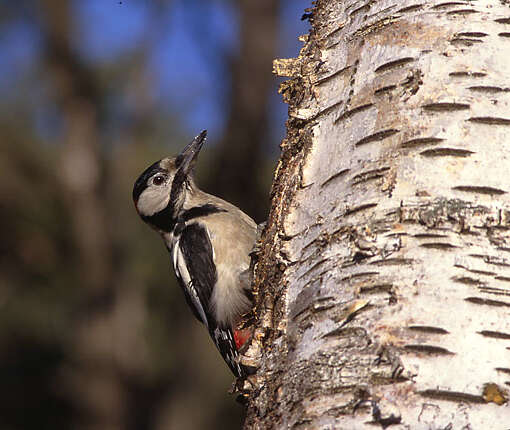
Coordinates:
153	200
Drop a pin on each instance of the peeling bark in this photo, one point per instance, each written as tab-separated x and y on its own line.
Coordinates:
383	278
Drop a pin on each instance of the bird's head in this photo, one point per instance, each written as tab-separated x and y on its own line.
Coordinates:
160	189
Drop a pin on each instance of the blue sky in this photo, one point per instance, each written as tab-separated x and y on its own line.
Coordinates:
107	29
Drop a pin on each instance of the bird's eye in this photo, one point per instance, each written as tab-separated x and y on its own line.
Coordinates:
158	180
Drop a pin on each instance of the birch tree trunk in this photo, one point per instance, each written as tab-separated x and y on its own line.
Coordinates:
384	271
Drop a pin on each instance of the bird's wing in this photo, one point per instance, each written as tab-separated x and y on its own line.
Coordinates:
195	269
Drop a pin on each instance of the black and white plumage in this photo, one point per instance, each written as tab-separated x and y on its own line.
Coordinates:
209	241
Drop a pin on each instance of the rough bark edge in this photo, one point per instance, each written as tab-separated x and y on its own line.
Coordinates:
269	292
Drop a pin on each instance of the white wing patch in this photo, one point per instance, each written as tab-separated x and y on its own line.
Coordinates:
181	271
225	343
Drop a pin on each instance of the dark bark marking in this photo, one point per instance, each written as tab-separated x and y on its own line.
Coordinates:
428	349
448	4
494	334
326	110
496	261
454	396
377	137
359	208
479	189
472	34
438	245
382	11
445	107
421	141
488	302
369	175
364	8
503	370
352	81
376	288
385	420
323	79
335	176
394	64
468	74
393	262
443	152
462	12
504	34
351	112
478	272
428	329
396	234
490	120
367	179
336	30
494	290
305	248
464	41
375	26
339	331
315	266
488	89
502	20
321	308
429	236
410	8
333	44
359	275
490	259
466	280
383	90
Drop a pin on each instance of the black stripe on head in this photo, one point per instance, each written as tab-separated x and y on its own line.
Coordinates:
200	211
141	182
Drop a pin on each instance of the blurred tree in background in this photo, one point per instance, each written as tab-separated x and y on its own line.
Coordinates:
94	333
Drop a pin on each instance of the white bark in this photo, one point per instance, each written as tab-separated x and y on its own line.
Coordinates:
390	225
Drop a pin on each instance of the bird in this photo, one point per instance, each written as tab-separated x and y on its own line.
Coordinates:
209	241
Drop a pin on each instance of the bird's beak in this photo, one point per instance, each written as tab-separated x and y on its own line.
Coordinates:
187	158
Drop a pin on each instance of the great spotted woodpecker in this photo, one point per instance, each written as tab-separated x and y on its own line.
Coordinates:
209	241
